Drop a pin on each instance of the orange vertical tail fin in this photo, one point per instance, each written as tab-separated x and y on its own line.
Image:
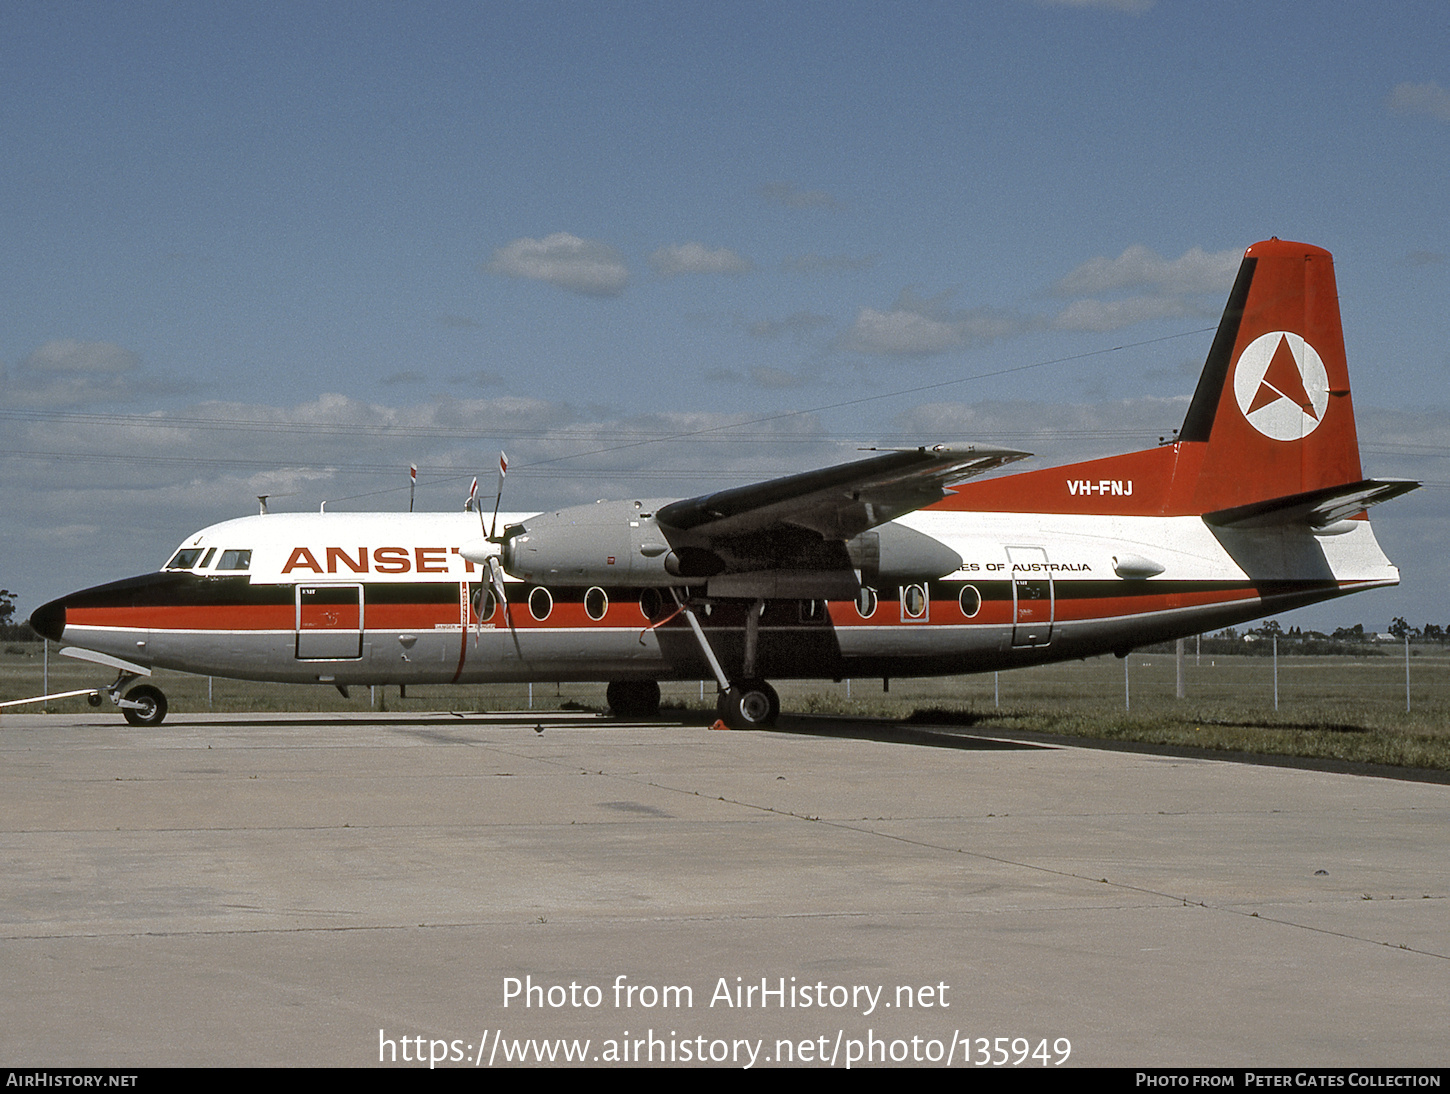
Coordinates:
1273	406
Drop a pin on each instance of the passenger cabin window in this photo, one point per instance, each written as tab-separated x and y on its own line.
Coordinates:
235	560
184	559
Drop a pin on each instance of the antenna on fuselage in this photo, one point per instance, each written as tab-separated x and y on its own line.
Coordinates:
412	483
262	501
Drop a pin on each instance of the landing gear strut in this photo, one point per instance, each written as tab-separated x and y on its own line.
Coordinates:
748	702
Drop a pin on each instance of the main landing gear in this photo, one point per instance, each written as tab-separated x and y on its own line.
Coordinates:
633	698
748	704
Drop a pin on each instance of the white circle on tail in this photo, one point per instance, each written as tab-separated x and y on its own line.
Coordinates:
1281	386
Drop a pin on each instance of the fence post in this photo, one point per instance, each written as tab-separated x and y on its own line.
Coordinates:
1407	672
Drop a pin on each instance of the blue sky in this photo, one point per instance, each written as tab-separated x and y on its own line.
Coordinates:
290	249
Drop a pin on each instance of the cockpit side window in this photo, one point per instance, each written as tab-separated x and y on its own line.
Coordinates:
184	559
207	561
235	560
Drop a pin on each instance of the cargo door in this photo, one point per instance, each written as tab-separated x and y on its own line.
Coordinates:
329	622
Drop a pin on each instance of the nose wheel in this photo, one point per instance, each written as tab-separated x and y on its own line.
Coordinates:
748	704
144	706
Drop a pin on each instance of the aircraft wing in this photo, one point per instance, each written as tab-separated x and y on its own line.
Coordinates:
835	502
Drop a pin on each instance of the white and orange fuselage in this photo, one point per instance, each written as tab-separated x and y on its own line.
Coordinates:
1257	507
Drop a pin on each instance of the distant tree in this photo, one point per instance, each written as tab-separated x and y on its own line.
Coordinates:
1349	634
10	630
1398	627
1433	632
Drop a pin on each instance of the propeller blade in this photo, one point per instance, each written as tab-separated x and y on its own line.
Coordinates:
495	572
503	466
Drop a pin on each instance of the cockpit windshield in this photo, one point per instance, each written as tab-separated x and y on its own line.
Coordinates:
235	560
191	558
184	559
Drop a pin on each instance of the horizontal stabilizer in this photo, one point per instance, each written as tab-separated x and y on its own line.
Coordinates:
1316	508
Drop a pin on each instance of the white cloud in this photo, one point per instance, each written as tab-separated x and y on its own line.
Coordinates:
585	266
73	373
900	332
1106	315
696	258
70	355
919	326
1428	98
1195	271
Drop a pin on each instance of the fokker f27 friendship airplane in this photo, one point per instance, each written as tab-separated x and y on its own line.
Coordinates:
879	567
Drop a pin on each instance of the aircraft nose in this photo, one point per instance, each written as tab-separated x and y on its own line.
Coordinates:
48	620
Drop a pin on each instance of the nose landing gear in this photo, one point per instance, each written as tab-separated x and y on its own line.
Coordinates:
143	705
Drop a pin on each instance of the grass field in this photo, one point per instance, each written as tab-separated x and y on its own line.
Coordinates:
1331	707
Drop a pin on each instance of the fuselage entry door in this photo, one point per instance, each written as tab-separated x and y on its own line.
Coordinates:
1032	596
329	622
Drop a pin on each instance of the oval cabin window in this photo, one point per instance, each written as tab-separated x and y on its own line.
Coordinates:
866	602
650	603
970	600
596	603
913	601
484	603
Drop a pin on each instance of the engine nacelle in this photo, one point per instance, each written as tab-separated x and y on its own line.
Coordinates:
619	543
609	543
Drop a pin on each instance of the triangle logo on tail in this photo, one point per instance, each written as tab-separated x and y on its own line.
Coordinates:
1281	386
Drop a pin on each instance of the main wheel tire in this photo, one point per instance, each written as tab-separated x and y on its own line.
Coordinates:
633	698
748	704
151	712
